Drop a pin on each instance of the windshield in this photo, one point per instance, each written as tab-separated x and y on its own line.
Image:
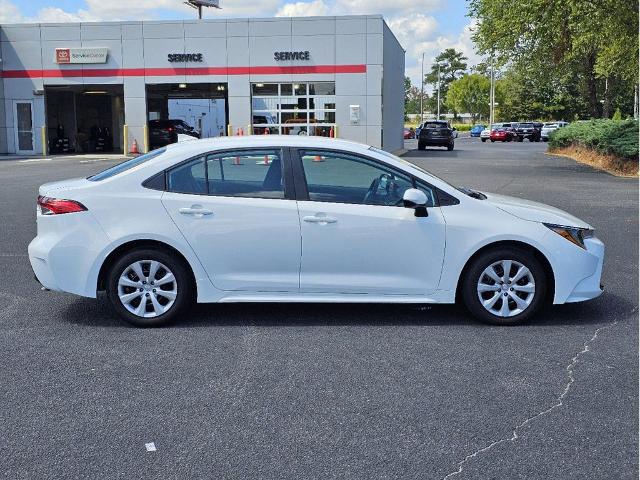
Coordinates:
420	169
550	125
527	125
126	165
467	191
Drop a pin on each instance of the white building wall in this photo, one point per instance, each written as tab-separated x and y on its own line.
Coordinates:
392	92
135	46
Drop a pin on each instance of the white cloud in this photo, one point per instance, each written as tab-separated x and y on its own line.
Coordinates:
9	13
315	8
107	10
411	21
385	7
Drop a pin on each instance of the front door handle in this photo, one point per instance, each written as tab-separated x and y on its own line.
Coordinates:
319	218
196	210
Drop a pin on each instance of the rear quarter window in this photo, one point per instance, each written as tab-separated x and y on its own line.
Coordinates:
126	165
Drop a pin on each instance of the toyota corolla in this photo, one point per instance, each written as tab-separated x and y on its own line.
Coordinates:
303	219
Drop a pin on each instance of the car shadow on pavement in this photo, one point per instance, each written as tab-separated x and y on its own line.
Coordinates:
98	313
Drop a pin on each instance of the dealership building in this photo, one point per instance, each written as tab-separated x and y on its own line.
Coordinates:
83	86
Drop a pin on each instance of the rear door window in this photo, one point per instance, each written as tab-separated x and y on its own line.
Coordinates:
246	173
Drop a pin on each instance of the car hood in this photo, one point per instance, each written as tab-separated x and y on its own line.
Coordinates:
534	211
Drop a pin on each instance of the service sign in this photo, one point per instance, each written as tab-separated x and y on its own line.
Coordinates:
81	55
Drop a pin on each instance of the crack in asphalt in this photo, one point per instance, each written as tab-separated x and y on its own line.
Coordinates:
586	347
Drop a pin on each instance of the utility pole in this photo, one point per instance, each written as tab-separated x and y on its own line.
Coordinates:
491	96
438	117
422	93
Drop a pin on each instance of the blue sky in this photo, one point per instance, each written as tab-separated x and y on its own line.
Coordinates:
426	26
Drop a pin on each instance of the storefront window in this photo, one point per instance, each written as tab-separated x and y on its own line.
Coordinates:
294	108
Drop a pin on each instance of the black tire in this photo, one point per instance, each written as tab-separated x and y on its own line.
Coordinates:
421	146
473	274
483	140
492	141
184	285
450	146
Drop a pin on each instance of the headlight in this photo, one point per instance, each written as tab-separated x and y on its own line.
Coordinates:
573	234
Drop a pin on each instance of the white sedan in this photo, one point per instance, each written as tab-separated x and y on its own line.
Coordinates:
303	219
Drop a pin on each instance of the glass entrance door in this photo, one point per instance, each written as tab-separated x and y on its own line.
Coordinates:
23	121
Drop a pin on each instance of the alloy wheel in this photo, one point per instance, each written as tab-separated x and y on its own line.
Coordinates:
147	288
506	288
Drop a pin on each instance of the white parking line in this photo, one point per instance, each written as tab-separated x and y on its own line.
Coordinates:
32	160
151	447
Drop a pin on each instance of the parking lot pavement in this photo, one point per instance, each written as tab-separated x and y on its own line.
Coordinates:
328	391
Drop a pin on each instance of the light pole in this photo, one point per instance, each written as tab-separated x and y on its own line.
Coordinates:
438	116
439	65
491	96
422	93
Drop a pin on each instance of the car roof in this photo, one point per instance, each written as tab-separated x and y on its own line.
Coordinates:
250	141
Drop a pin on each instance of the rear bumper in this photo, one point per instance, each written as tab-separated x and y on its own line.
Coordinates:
64	252
436	141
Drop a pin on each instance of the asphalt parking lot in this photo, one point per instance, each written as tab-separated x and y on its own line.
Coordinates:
322	391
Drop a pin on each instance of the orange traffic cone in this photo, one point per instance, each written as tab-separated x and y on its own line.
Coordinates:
237	161
266	130
134	147
318	158
331	133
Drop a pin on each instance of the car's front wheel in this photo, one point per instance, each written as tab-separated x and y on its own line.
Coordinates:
483	139
504	286
450	146
149	287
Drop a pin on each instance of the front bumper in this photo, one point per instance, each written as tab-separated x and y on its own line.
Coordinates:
590	286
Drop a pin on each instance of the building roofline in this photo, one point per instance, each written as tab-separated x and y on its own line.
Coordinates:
188	20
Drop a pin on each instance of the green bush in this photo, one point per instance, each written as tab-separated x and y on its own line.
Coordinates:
462	127
619	138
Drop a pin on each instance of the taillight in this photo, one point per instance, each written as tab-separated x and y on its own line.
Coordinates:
169	129
56	206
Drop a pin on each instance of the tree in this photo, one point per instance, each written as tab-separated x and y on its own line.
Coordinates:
407	91
594	44
452	66
469	93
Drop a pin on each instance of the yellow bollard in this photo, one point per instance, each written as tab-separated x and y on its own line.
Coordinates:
229	130
335	131
145	138
125	138
43	132
249	129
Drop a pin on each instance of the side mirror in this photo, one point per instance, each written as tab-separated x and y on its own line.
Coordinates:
416	199
454	129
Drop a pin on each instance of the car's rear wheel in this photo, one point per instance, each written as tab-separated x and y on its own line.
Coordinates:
150	288
421	146
504	286
450	146
483	139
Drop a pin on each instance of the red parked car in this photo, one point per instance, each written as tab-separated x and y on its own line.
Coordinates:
409	133
501	135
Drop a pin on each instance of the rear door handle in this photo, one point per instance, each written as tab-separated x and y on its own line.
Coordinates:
319	218
195	210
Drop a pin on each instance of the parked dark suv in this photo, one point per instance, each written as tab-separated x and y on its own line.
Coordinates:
164	132
437	133
528	130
